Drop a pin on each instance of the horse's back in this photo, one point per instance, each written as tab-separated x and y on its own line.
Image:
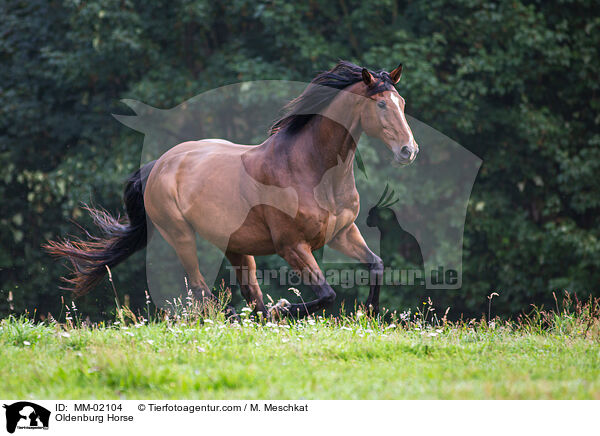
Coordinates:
206	183
205	147
199	157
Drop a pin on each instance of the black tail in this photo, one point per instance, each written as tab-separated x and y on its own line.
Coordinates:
121	238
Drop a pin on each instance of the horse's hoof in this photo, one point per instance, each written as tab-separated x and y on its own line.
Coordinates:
231	315
280	310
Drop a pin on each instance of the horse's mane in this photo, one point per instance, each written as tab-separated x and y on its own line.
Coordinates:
298	112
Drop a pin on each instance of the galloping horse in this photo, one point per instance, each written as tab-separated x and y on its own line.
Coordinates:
295	192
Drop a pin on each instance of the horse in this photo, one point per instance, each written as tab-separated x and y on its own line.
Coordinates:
289	195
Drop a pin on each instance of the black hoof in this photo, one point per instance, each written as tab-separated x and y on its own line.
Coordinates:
280	310
231	314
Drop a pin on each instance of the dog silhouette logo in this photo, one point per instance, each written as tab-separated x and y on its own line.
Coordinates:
26	415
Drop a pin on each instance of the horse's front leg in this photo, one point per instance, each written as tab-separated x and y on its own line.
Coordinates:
350	242
299	256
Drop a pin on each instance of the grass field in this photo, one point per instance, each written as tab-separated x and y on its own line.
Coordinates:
549	355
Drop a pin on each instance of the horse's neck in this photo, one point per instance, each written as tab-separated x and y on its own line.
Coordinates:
335	146
332	137
333	142
339	129
323	150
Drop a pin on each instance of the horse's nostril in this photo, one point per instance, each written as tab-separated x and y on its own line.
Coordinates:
405	152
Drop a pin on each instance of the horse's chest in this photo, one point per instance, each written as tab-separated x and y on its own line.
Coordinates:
337	200
341	211
339	221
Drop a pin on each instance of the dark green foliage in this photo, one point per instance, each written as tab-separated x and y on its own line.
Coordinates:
514	82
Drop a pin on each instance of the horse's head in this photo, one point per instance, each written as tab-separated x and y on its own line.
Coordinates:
383	115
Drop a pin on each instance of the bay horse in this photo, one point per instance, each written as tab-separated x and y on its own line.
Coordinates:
295	193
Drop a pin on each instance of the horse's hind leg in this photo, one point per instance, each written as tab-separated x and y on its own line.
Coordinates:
245	271
182	238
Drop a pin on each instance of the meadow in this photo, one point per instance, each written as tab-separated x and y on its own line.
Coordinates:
187	353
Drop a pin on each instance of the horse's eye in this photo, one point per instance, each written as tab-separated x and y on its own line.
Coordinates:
381	104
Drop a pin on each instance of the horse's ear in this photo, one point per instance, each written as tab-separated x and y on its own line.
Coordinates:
367	77
396	74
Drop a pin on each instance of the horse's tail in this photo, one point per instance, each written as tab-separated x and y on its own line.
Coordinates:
121	238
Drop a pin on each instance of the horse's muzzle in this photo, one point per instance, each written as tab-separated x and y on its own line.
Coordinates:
405	154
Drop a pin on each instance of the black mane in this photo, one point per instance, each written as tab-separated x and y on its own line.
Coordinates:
298	112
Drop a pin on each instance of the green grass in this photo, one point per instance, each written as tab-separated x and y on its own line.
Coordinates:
344	358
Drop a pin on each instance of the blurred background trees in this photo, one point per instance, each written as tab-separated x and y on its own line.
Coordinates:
515	82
